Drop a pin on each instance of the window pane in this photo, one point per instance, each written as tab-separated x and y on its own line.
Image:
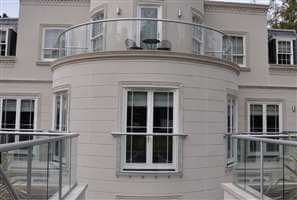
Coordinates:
149	29
137	112
51	37
3	37
136	149
27	114
256	118
272	118
163	112
163	123
162	149
237	51
9	114
57	117
64	112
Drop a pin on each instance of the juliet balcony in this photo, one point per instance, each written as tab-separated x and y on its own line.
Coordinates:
39	165
143	34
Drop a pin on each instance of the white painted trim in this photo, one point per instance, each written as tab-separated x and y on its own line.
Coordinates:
44	29
149	151
285	39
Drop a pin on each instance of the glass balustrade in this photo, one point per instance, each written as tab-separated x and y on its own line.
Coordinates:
139	34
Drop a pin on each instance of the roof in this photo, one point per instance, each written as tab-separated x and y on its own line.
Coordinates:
9	21
290	33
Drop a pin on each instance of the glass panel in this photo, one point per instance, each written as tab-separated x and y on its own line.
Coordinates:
149	29
64	112
256	118
239	171
2	37
57	117
97	32
136	149
39	172
163	123
66	149
53	168
290	166
73	161
27	114
137	112
273	174
9	113
51	37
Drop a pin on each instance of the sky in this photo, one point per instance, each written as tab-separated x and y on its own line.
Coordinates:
11	7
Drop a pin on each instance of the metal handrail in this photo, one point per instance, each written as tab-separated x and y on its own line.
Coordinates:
140	19
30	143
272	141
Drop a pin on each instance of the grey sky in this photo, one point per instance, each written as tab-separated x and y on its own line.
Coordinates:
11	7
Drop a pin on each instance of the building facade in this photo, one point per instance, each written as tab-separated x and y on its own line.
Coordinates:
151	93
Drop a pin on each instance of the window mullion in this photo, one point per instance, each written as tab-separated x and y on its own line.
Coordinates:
60	110
18	114
35	114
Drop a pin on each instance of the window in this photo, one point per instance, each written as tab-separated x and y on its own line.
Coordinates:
148	113
197	38
3	42
149	29
50	50
284	52
264	118
97	36
236	44
231	127
19	113
7	42
61	111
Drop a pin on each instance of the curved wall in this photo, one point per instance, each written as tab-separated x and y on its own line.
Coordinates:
95	85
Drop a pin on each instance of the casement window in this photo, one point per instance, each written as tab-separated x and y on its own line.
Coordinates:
237	51
197	35
18	113
232	115
50	49
149	29
97	33
7	42
60	122
149	112
264	118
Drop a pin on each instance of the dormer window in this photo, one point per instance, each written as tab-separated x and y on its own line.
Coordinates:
282	47
284	52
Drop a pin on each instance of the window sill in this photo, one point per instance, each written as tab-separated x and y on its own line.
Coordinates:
284	68
7	60
245	69
150	174
44	63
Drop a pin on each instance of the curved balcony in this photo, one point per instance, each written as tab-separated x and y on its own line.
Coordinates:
144	34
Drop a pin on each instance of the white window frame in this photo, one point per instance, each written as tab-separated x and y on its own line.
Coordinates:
243	46
138	167
264	118
292	49
6	40
18	109
44	29
60	94
234	129
92	38
201	42
160	15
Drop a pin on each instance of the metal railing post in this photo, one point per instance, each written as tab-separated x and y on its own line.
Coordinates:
29	169
261	170
60	169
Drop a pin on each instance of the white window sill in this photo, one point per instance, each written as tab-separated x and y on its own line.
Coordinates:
7	60
43	63
278	67
150	173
